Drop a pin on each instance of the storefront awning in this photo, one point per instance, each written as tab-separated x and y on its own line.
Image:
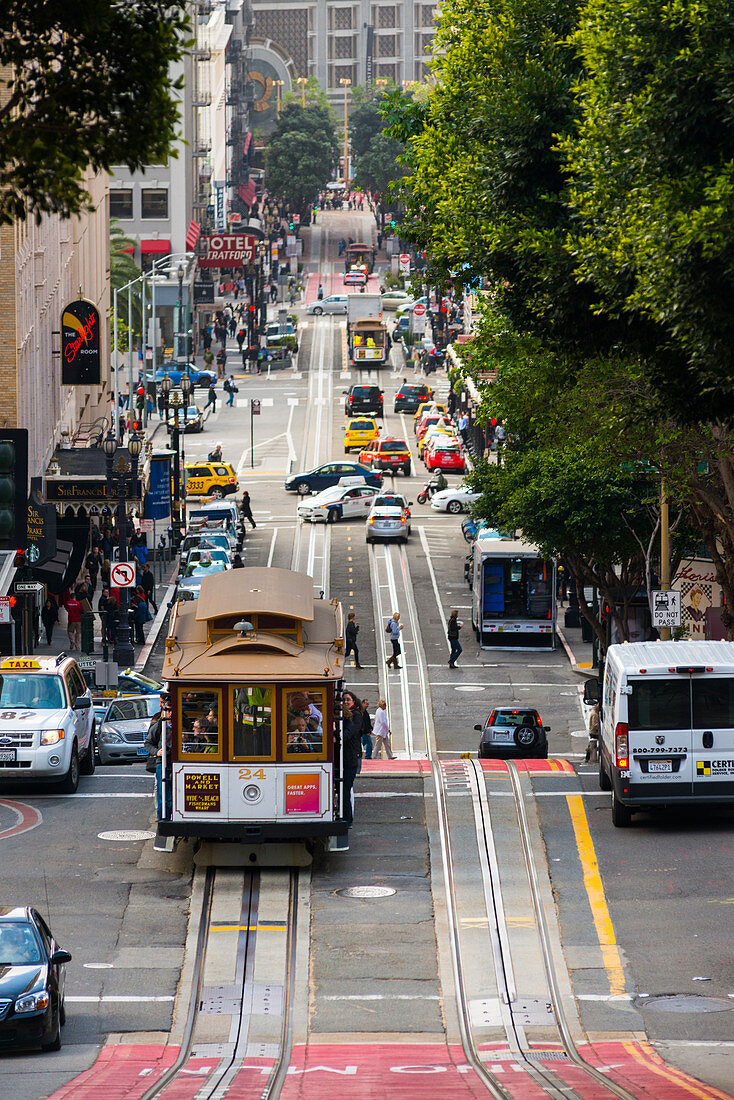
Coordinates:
164	247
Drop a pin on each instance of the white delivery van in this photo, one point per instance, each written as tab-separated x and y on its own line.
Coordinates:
666	725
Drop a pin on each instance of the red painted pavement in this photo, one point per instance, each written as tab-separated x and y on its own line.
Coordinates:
334	284
27	818
400	1071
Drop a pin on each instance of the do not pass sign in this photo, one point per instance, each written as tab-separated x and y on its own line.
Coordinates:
419	310
122	575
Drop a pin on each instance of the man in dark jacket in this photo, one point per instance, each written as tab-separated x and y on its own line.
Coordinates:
153	743
147	582
350	636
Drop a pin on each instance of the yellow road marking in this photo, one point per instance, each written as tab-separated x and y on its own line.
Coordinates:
651	1060
248	928
595	893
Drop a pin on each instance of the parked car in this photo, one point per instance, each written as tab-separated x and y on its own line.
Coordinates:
124	727
129	682
364	401
410	396
454	500
402	327
215	553
392	299
339	502
32	965
206	540
407	307
387	454
358	432
335	303
331	473
513	731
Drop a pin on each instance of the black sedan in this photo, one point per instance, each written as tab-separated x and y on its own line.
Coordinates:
323	477
31	981
513	731
410	396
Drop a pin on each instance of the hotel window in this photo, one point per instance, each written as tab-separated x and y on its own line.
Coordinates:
121	202
341	19
387	16
387	45
154	202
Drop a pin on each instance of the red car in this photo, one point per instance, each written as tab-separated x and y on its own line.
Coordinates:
444	456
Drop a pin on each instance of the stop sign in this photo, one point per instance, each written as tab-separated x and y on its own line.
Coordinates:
419	309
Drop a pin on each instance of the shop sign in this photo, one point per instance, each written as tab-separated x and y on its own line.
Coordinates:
227	249
80	344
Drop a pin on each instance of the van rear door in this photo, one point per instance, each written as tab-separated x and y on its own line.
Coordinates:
713	736
660	737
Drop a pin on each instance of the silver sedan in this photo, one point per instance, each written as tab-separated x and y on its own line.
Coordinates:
387	522
335	303
123	729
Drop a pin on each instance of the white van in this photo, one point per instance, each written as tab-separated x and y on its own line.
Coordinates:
666	725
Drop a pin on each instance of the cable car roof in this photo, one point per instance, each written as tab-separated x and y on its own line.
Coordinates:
257	589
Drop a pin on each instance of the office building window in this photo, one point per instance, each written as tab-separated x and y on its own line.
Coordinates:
387	45
154	202
121	202
341	19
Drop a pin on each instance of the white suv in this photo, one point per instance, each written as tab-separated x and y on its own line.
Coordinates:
47	724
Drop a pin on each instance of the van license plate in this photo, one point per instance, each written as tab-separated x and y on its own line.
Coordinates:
8	756
660	765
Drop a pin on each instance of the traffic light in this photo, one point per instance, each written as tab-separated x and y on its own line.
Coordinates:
13	489
291	226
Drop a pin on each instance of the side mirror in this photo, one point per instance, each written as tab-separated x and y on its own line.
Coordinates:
547	729
410	502
59	957
82	702
479	728
591	692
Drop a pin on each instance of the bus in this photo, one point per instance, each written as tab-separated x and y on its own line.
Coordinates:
513	595
254	668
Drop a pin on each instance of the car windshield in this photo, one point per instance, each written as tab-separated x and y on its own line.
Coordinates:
38	692
514	719
130	710
18	945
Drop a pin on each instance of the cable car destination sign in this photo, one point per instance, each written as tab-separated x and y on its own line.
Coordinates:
227	249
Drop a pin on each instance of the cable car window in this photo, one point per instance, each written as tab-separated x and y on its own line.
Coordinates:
252	723
200	725
303	711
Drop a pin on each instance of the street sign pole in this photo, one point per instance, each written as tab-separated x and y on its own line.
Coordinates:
252	438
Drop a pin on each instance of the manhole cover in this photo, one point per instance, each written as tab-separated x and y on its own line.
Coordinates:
366	892
127	834
684	1003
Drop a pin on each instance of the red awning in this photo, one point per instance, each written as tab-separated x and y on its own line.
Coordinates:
192	235
163	247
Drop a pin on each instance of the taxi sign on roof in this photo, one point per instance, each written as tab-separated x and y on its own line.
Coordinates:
19	663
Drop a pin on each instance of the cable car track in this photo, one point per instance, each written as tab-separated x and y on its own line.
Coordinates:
221	1079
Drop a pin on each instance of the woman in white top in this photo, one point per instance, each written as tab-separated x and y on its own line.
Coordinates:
381	732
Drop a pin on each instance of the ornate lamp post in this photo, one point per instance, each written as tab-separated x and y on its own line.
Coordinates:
176	401
119	472
186	388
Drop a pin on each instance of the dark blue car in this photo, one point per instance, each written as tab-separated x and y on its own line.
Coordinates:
323	477
198	376
31	981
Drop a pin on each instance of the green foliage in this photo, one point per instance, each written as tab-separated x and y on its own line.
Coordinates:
652	182
378	166
301	153
123	270
86	85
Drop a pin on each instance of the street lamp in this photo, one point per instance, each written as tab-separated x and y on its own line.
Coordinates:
278	85
176	402
179	352
345	82
119	473
186	388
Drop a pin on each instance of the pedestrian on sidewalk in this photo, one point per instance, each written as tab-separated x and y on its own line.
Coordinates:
320	293
350	636
382	732
453	627
49	617
273	292
211	399
231	389
147	583
393	628
74	622
141	616
247	508
221	362
208	358
366	729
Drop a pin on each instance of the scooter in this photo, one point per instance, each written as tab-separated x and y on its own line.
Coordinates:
428	490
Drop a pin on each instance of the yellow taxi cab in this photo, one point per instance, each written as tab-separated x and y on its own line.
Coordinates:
358	432
210	479
424	407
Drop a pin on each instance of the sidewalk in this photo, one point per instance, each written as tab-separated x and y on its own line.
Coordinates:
578	651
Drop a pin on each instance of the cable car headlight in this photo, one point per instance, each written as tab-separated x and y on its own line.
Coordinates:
252	793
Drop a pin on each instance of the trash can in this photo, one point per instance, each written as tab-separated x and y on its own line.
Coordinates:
572	617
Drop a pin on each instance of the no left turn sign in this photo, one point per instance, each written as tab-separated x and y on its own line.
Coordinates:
122	575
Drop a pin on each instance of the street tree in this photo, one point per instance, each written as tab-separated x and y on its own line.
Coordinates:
301	153
124	270
84	85
378	166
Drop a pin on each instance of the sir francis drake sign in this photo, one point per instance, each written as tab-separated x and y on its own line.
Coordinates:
80	344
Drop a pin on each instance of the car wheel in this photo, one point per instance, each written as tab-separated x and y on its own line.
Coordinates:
605	783
217	494
70	782
455	507
332	515
526	737
318	311
87	763
55	1043
621	814
406	469
303	488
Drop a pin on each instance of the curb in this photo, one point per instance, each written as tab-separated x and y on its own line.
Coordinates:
581	670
